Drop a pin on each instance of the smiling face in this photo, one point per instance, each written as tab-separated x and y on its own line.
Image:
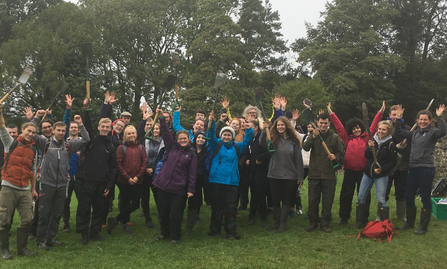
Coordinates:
74	129
13	132
28	133
198	126
104	128
156	131
323	124
148	125
126	119
281	127
226	137
183	139
200	141
130	134
118	127
424	121
356	131
252	114
47	129
235	125
383	131
59	132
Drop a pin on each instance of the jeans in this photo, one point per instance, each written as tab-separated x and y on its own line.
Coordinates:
366	185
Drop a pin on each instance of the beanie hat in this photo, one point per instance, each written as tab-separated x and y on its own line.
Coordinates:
227	129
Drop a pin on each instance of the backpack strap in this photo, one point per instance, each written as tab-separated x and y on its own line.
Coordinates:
11	148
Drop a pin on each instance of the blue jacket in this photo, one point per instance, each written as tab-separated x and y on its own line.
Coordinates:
177	127
224	165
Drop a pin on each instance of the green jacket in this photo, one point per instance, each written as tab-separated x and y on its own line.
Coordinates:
320	166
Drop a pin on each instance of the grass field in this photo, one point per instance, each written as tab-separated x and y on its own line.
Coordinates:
257	248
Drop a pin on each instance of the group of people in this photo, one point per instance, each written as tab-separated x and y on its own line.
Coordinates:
213	161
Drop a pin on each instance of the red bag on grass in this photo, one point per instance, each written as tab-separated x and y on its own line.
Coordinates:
378	230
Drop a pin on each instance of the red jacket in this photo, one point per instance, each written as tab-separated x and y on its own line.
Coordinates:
133	164
18	170
355	146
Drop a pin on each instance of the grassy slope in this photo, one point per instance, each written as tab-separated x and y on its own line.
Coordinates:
258	248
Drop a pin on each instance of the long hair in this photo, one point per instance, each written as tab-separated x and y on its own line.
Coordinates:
239	134
290	132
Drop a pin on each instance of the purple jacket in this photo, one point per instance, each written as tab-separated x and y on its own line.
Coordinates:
178	174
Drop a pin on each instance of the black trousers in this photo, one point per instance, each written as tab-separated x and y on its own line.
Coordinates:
223	206
146	196
324	190
51	206
259	185
244	185
281	191
170	213
130	201
195	202
400	183
90	196
66	214
350	181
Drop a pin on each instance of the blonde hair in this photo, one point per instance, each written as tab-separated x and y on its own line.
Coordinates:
389	126
105	121
125	139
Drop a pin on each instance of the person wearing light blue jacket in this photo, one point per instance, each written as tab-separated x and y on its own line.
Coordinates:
224	178
199	125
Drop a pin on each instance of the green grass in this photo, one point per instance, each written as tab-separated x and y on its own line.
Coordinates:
257	248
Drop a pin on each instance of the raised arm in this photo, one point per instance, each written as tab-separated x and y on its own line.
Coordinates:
176	121
373	128
341	131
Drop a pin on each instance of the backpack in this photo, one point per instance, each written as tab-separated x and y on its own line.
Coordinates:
209	158
378	230
140	147
440	189
14	144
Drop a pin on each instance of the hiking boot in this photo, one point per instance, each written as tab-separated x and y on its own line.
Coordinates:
311	227
4	240
299	211
96	237
326	229
111	223
84	238
22	241
411	217
43	246
149	224
55	243
67	227
127	229
343	222
425	220
233	237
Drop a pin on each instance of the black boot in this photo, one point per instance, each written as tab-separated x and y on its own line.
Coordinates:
4	240
411	217
361	219
400	211
22	240
84	238
276	218
383	212
283	219
191	220
425	220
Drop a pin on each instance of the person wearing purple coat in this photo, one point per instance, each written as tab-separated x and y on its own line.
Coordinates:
175	182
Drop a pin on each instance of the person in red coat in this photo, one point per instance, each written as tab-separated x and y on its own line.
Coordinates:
131	160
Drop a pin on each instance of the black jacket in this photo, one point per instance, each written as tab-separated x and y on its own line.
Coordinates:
386	157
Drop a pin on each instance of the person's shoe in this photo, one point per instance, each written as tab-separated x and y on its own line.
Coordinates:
175	242
96	237
299	211
22	241
311	227
43	246
127	229
343	222
31	236
4	241
234	237
149	224
55	243
6	255
326	229
281	229
159	238
213	234
425	220
84	238
67	227
111	223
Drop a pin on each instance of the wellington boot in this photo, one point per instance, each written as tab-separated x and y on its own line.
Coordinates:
411	217
383	212
191	220
4	240
425	220
361	218
400	211
283	219
276	218
22	240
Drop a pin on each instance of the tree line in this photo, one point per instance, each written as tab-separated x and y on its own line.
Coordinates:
360	51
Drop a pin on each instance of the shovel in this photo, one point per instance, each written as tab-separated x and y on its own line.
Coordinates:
219	83
62	87
403	143
259	99
366	120
87	53
309	117
169	83
176	61
22	80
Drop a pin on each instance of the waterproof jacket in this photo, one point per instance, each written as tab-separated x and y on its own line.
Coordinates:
386	157
98	159
397	138
286	162
178	173
177	127
132	164
320	166
259	153
55	161
224	166
355	146
423	142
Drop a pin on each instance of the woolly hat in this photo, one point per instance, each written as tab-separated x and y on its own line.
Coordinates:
227	129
